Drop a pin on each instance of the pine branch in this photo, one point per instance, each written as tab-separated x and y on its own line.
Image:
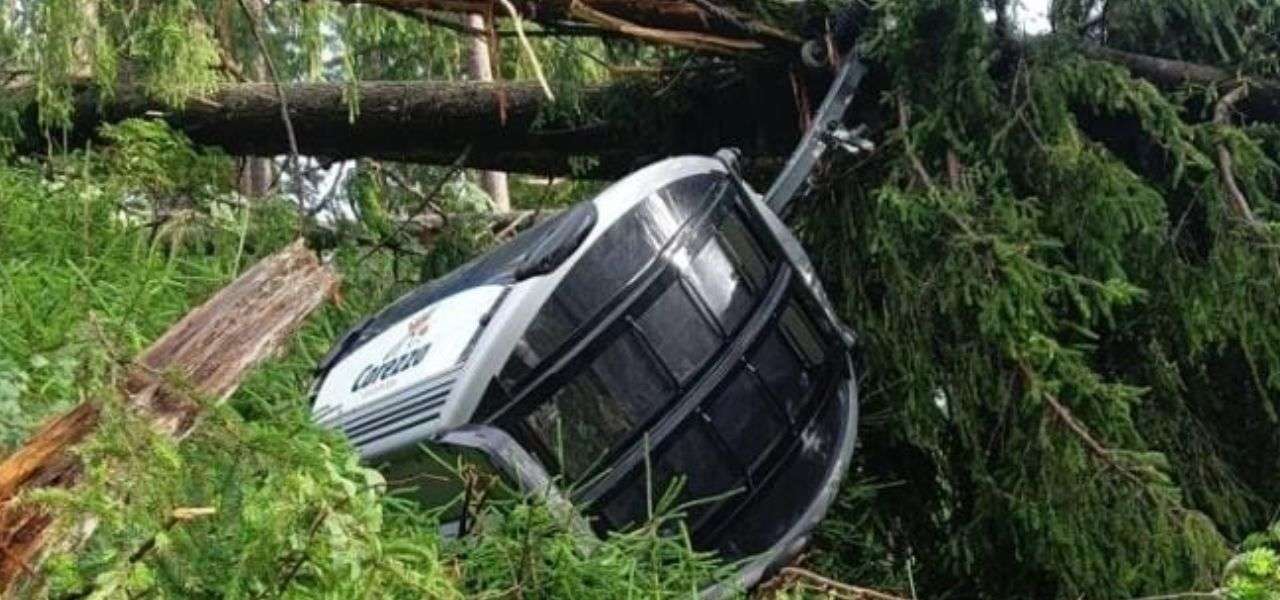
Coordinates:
1065	416
549	29
691	40
426	200
1262	103
904	130
291	572
1214	595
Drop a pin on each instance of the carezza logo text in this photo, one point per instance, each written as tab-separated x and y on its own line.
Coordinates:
386	369
378	372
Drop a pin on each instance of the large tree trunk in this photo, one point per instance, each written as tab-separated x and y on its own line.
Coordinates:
433	122
210	350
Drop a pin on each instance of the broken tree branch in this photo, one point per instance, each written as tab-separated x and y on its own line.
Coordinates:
210	350
426	199
684	23
1262	104
804	578
685	39
687	22
1236	199
904	130
528	50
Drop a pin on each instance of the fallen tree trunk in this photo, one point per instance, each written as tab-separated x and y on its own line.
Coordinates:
210	350
431	122
510	127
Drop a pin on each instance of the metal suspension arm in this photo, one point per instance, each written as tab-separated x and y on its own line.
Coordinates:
827	131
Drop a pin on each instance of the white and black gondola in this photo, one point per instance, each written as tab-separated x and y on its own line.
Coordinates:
670	328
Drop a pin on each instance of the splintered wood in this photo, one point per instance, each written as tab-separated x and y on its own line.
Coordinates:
204	356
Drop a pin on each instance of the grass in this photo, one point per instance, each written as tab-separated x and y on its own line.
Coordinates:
88	278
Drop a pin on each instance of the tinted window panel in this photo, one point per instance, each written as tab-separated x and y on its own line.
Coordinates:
610	263
680	334
746	419
578	425
695	456
634	378
746	254
686	196
692	457
768	516
622	389
518	366
630	507
548	331
782	373
721	287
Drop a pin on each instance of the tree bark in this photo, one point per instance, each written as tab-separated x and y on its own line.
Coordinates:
85	44
479	68
210	350
433	122
258	172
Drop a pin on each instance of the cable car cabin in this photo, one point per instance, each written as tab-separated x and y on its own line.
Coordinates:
670	329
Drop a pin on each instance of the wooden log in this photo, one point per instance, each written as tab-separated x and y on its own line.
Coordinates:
200	359
432	122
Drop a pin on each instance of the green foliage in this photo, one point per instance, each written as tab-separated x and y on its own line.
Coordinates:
1254	574
167	49
1233	33
1065	327
1257	576
171	49
86	281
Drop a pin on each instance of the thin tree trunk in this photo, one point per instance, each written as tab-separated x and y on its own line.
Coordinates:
210	350
479	68
85	43
256	175
257	172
